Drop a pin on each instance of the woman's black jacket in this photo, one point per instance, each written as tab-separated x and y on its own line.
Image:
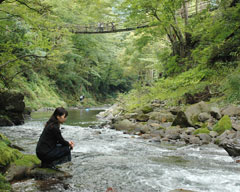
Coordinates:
50	137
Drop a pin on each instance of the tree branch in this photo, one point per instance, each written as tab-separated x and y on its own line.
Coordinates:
11	61
25	4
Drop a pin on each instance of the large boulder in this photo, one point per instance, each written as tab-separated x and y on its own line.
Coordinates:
12	101
232	149
161	116
124	125
182	120
11	108
5	121
194	114
193	111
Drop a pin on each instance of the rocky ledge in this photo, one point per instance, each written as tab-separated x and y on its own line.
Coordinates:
200	123
16	166
12	108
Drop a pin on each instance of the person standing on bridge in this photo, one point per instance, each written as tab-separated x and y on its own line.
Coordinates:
52	148
113	26
100	27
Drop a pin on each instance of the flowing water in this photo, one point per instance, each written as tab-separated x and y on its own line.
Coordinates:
108	159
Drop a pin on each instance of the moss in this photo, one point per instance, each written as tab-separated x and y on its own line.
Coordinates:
4	139
4	185
217	141
223	124
201	130
147	109
160	128
8	154
27	160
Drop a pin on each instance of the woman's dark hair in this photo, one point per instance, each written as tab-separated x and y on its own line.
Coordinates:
58	112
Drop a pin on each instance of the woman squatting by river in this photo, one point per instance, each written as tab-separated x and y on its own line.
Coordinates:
52	149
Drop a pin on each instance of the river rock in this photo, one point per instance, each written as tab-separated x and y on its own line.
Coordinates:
202	117
142	117
232	149
173	133
235	126
189	130
181	120
141	128
131	115
195	140
213	134
231	110
5	121
124	125
205	138
147	109
193	111
161	116
45	173
215	113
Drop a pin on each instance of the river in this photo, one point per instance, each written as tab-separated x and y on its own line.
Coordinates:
107	159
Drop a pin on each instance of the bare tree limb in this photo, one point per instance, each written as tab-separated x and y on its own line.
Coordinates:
25	4
11	61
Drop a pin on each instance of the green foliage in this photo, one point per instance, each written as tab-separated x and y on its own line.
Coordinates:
41	57
172	65
218	36
4	185
201	130
171	88
234	87
223	124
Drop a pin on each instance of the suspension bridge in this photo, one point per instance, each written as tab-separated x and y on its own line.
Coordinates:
192	8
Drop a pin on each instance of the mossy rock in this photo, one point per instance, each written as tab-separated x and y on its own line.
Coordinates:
223	124
146	109
4	139
201	130
45	173
8	154
4	185
27	160
21	168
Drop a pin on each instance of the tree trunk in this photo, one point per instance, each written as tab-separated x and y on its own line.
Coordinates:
185	9
196	6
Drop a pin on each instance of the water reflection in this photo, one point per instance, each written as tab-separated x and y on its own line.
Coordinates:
76	117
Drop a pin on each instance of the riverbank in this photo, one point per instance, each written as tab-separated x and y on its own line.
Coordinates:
199	124
104	158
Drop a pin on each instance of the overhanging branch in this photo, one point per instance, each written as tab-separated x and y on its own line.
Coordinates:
11	61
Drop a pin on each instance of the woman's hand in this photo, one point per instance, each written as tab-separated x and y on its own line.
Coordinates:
71	144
